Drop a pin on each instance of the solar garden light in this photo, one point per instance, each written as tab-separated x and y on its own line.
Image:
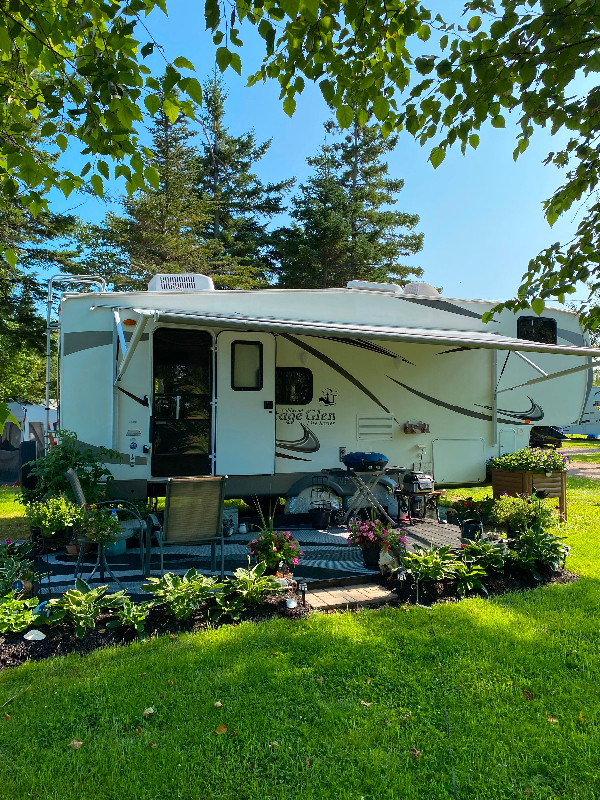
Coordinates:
303	587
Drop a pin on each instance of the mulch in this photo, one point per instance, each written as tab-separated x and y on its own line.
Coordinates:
61	640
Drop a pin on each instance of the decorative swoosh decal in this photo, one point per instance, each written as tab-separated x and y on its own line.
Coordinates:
535	413
456	350
306	444
374	348
442	305
292	458
340	370
457	409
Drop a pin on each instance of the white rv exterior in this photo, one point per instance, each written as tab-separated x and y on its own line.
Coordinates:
272	386
589	424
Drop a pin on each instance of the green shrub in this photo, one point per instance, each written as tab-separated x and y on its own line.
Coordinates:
522	512
469	508
532	459
490	556
536	550
52	515
429	563
252	585
182	595
17	615
88	463
82	605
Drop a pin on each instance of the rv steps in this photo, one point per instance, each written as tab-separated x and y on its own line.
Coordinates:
338	595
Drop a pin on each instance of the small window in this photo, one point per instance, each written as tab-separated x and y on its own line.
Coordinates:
246	366
537	329
293	386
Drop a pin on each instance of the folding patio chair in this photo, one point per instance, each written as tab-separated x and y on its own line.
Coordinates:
131	526
193	515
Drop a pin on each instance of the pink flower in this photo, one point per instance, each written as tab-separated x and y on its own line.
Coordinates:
8	541
292	545
295	560
274	549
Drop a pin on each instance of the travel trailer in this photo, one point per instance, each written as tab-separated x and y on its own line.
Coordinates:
272	386
589	423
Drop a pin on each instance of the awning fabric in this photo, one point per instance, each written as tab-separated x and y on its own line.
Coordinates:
483	339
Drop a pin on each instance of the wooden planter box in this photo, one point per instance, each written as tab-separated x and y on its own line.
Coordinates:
525	482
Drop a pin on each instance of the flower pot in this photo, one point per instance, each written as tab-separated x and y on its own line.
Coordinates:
319	517
370	554
73	548
524	481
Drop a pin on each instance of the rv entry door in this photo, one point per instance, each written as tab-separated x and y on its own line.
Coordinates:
245	410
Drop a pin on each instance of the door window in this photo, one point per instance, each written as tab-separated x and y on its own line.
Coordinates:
246	366
181	406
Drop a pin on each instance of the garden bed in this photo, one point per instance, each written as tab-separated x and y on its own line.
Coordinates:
61	639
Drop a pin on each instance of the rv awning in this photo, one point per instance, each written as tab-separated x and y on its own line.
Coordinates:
484	339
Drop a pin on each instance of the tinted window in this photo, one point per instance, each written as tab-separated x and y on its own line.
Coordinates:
293	386
537	329
246	366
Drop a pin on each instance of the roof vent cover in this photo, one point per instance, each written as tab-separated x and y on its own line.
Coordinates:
186	282
371	286
421	289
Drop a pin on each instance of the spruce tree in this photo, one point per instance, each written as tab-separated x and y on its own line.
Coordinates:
345	226
162	229
241	204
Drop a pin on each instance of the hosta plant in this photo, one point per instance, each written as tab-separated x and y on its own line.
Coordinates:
468	577
488	555
252	585
132	615
182	595
429	563
82	605
536	550
17	615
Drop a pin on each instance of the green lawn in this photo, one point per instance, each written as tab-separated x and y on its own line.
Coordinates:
13	524
330	707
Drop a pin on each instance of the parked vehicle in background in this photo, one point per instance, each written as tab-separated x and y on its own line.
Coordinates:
546	436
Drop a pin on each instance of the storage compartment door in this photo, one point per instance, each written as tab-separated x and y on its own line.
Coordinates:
459	460
245	409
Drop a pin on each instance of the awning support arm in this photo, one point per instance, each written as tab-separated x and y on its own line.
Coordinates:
135	339
530	362
592	365
119	327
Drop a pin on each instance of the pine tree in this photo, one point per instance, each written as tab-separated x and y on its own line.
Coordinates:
344	225
162	229
241	204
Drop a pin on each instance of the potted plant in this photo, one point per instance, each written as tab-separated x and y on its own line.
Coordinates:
530	470
278	549
372	536
100	525
52	518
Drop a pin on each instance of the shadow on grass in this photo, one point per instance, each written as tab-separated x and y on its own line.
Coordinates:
328	707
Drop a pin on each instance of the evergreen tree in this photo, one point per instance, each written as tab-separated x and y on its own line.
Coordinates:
241	204
161	230
344	226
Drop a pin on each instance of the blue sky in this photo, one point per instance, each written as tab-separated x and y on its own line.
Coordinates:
481	213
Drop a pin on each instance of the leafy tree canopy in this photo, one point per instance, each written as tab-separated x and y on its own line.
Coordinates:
79	66
536	59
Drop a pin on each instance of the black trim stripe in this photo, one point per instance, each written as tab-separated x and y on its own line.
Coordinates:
340	370
374	348
443	305
457	409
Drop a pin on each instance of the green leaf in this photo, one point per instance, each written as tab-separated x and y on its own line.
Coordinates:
289	106
10	256
192	88
344	115
236	63
424	32
152	103
309	10
182	63
327	90
498	122
223	57
538	305
171	108
436	156
97	185
474	140
474	24
381	108
152	176
62	141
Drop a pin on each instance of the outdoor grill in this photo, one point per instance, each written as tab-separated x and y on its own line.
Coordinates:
415	482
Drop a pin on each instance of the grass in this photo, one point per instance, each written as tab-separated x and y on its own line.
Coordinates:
13	524
330	707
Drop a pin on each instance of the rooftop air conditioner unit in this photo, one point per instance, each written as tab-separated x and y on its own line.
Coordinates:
187	282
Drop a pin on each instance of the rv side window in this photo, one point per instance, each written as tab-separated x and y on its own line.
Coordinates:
537	329
293	386
246	366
